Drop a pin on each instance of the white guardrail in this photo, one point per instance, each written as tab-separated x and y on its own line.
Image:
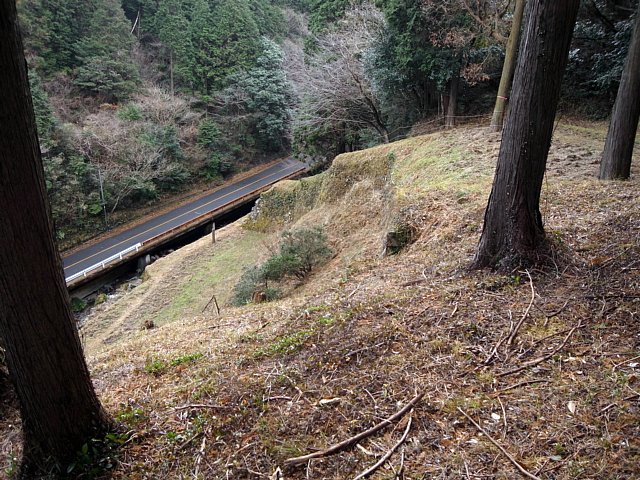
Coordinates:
104	263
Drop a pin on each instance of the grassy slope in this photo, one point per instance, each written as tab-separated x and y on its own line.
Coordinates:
368	331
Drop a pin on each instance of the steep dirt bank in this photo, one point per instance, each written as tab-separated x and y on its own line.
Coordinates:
234	395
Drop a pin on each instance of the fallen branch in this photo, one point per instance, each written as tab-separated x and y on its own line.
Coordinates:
494	351
213	299
199	456
200	405
614	404
538	360
355	439
386	456
514	332
519	384
515	463
555	313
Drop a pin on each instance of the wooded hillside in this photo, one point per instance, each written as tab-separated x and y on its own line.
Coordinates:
140	99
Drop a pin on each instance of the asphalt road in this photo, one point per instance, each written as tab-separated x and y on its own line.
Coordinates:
100	251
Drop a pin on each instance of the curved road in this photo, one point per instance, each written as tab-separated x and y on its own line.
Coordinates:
96	253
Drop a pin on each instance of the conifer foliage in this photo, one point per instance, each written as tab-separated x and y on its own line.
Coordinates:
104	54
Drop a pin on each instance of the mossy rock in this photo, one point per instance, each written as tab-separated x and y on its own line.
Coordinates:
399	238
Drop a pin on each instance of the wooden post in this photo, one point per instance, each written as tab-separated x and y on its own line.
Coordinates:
213	233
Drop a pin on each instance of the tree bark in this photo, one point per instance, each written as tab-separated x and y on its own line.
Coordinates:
509	67
171	71
618	147
59	408
513	233
452	105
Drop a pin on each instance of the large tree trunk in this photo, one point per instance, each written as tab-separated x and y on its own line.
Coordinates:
171	71
509	67
452	105
618	148
58	405
513	230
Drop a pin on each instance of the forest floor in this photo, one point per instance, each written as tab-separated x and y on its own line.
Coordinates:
529	374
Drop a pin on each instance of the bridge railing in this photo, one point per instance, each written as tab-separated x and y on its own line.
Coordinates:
103	264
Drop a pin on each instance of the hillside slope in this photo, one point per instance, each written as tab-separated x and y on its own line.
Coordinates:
234	395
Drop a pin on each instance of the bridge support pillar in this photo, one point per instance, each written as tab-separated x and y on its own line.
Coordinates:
142	263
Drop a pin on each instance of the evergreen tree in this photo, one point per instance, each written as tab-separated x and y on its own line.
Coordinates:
51	28
513	233
324	13
204	48
170	23
269	19
265	94
618	147
234	41
406	60
104	53
45	121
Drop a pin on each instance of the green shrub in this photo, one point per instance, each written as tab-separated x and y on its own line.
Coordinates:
251	281
279	266
129	113
300	251
209	135
216	166
78	305
100	298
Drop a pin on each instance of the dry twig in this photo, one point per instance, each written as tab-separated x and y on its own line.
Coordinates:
200	405
400	473
520	384
386	456
504	419
555	313
213	299
515	463
614	404
199	456
538	360
514	332
338	447
494	351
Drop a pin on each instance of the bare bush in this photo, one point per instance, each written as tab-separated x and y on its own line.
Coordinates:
332	85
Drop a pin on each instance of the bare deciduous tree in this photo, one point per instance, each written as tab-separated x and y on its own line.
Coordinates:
333	85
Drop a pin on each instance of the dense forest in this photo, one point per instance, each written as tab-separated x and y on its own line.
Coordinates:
140	98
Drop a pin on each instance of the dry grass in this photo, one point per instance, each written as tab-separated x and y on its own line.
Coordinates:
233	396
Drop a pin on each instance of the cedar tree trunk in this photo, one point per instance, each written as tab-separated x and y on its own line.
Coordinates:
618	148
59	408
452	106
513	230
508	68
